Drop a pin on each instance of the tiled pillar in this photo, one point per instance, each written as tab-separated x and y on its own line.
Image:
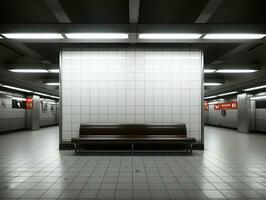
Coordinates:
243	112
33	115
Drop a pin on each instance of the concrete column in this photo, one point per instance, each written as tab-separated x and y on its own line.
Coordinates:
33	115
244	113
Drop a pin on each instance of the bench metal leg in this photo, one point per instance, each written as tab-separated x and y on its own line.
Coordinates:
191	148
76	147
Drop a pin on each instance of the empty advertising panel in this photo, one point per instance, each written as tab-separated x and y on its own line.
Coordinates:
130	86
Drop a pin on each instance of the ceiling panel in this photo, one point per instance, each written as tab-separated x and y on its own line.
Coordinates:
96	11
240	12
25	11
170	11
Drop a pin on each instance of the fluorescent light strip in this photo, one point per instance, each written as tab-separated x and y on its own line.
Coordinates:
1	37
208	71
233	36
54	70
97	35
28	70
33	36
235	71
225	94
46	95
169	36
255	88
212	84
53	84
258	98
15	88
210	97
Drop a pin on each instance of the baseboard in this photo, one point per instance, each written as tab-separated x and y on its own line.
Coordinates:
12	131
70	146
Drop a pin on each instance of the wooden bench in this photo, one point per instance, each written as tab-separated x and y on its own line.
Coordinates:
133	134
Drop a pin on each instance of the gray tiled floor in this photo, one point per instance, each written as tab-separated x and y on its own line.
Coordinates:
233	166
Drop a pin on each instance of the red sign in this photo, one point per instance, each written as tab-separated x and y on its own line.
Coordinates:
225	106
29	103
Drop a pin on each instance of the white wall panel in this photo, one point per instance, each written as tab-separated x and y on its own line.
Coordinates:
131	86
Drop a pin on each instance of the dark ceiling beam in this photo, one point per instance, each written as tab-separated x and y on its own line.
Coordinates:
134	6
208	11
234	51
22	49
58	11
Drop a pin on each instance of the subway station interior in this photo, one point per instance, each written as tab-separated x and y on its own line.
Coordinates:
132	99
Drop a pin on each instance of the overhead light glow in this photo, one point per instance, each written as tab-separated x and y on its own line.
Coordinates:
235	71
29	70
233	36
33	36
19	98
96	35
255	88
46	95
258	98
1	37
169	36
15	88
210	97
225	94
54	70
54	84
208	71
212	84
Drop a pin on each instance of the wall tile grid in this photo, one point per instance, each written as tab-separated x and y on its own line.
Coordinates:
131	86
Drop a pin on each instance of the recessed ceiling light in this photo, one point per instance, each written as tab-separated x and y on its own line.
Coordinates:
29	70
236	71
169	36
33	35
210	97
15	88
225	94
233	36
54	70
255	88
97	35
208	71
212	84
54	84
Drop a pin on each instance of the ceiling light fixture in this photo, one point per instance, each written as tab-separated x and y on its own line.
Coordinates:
208	71
233	36
169	36
33	36
210	97
97	35
29	70
235	71
53	84
212	84
46	95
225	94
54	70
255	88
15	88
19	98
258	98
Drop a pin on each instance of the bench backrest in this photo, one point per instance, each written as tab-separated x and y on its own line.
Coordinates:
133	129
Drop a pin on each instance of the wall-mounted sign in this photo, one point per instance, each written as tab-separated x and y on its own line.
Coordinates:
29	103
225	106
206	106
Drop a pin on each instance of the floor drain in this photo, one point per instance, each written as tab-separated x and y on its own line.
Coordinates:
136	170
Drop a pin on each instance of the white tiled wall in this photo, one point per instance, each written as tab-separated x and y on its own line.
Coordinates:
131	86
